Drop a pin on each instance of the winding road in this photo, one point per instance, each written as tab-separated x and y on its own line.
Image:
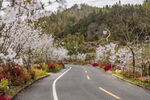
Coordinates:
83	83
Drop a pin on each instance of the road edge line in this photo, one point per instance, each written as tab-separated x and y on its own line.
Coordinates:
55	97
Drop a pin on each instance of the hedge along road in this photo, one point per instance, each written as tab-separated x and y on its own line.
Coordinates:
83	83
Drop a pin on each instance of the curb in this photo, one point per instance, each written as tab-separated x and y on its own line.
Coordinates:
30	85
147	88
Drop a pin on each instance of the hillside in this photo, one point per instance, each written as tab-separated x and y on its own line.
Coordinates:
61	22
123	23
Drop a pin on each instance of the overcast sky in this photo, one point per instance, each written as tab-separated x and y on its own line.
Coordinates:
97	3
101	3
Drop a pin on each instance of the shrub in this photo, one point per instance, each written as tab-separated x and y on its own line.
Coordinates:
39	72
58	67
32	74
2	74
114	68
119	68
137	74
17	71
61	63
39	67
4	97
144	79
107	67
111	67
20	80
4	85
65	63
26	78
130	74
43	65
149	80
100	64
95	64
51	67
20	77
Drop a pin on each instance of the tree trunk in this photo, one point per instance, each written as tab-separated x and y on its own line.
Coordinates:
133	59
1	3
149	70
29	59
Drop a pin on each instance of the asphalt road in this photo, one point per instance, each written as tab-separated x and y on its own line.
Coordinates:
83	83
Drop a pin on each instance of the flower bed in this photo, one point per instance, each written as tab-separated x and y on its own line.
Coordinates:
14	77
4	97
95	64
106	67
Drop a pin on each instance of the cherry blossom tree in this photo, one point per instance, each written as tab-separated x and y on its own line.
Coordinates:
112	53
81	56
124	56
107	53
19	40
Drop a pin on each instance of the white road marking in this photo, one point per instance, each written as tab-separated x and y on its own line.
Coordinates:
54	84
88	77
86	72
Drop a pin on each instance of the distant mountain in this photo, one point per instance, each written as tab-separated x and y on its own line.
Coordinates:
59	24
88	23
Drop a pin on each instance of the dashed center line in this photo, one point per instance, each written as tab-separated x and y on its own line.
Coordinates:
88	77
109	93
86	72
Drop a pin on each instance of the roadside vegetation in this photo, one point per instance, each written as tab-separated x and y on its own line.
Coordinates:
127	75
14	78
26	54
120	61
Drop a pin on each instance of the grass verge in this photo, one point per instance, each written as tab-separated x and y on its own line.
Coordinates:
134	81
